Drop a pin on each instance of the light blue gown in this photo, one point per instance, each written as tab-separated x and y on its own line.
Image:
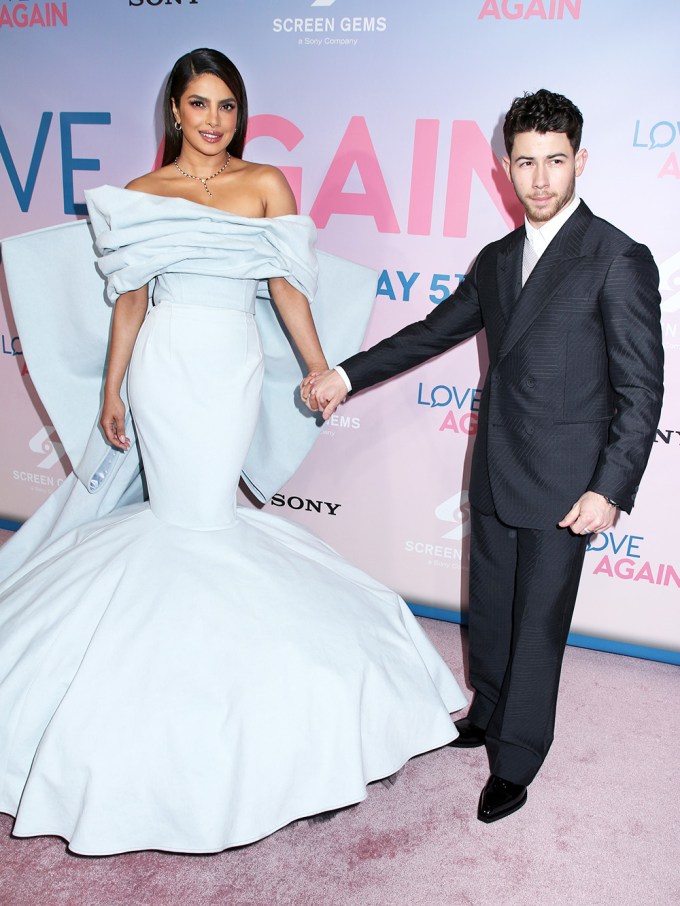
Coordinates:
183	673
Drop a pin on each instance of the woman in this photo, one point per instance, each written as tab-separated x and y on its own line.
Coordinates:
184	674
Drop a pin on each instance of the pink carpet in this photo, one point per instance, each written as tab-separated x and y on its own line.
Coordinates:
601	826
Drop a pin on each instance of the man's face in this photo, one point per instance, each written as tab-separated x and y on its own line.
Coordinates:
543	170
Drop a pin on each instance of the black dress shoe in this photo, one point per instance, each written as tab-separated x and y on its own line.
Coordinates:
500	798
469	735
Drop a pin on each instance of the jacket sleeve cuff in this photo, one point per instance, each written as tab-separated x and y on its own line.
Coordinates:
343	374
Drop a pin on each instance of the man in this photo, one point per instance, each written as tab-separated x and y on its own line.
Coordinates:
566	423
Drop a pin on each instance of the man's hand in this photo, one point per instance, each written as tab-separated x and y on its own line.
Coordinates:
590	514
323	392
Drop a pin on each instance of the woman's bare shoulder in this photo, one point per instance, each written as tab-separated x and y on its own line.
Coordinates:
265	173
272	186
152	183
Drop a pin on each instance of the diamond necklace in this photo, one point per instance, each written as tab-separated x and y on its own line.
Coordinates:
203	179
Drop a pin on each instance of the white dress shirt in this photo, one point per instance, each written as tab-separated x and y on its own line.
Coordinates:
541	237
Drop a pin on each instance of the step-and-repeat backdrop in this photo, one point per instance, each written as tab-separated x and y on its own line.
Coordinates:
385	115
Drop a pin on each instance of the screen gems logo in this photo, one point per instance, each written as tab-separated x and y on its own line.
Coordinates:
343	422
669	286
32	15
669	283
455	511
343	27
45	444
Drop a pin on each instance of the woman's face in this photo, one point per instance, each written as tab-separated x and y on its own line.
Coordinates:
208	114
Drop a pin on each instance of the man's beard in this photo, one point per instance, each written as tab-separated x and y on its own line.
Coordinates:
547	212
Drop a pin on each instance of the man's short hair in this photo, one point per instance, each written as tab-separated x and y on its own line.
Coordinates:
543	112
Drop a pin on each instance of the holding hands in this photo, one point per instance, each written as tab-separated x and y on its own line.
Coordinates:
323	391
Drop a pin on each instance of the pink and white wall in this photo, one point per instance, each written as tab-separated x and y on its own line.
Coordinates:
386	117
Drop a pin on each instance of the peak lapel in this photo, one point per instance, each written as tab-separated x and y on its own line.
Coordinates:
552	268
509	272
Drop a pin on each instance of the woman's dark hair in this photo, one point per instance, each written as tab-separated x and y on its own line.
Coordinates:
543	112
196	63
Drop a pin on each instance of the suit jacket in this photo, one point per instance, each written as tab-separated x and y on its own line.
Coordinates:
573	392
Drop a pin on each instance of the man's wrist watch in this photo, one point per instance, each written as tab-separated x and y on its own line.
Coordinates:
611	502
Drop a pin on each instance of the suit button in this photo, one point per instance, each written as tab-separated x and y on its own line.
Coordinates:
529	429
529	382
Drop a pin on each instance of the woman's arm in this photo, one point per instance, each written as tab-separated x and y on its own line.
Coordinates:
128	316
290	302
296	315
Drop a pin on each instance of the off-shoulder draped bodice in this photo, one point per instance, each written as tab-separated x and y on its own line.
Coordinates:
195	253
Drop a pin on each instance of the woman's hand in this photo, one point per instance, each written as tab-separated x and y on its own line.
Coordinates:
113	422
323	391
128	315
306	387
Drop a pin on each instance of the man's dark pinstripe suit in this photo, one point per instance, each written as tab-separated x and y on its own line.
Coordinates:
571	402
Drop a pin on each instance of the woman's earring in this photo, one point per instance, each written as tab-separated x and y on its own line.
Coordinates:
178	126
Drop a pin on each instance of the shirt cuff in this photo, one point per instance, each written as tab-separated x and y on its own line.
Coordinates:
343	374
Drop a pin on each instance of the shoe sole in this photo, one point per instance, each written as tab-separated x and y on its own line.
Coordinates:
504	813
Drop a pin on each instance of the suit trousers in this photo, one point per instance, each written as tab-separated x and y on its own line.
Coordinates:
523	585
